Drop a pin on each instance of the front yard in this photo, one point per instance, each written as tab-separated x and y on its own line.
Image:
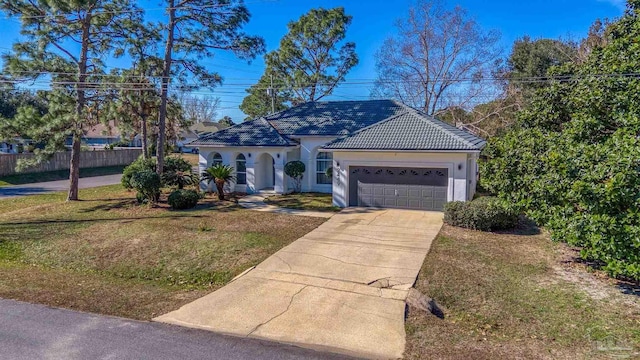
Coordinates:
105	254
304	201
518	295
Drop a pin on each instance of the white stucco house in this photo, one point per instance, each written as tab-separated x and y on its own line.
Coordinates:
383	154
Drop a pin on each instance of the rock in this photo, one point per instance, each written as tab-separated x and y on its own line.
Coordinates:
419	301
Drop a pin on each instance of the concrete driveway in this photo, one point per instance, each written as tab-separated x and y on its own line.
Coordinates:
340	288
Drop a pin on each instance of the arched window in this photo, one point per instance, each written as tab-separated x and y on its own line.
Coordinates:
241	170
324	160
217	159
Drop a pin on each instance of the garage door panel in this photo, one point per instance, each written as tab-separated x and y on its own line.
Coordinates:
409	188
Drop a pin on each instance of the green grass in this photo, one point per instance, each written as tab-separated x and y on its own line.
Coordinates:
30	178
304	201
504	296
107	249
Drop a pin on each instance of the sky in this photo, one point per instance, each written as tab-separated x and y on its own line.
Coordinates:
373	21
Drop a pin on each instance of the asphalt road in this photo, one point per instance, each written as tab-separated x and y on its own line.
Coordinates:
29	331
53	186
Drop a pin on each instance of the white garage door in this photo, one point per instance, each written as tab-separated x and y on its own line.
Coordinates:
395	187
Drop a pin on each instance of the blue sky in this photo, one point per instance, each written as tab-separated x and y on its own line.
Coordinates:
373	22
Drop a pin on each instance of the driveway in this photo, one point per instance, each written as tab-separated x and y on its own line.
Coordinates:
339	288
29	331
60	185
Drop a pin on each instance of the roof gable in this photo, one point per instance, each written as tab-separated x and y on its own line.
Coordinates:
411	130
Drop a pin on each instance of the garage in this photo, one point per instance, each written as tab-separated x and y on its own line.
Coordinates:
398	187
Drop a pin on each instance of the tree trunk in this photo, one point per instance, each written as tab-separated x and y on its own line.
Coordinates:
145	147
74	168
164	94
220	187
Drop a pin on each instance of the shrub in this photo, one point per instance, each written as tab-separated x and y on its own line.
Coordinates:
147	185
136	166
485	214
295	170
175	164
183	199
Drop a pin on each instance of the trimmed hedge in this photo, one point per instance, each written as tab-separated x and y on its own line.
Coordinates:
485	214
183	199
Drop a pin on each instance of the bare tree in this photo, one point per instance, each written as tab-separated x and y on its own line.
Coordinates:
437	60
199	109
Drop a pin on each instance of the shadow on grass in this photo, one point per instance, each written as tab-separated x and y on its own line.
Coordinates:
629	288
81	221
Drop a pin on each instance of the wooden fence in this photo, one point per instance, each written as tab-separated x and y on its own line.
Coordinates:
61	160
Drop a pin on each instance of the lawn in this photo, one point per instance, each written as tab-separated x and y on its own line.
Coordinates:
303	201
518	295
193	159
30	178
106	254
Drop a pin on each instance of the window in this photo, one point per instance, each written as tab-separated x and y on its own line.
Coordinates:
241	170
217	159
324	161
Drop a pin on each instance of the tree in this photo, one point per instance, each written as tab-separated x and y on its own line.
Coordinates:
220	174
199	109
530	60
226	121
437	60
196	29
295	170
310	61
66	39
572	160
138	98
258	103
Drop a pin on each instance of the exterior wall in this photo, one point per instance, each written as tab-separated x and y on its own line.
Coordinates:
257	177
309	147
456	163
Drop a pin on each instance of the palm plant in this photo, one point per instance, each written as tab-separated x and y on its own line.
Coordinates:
179	178
220	174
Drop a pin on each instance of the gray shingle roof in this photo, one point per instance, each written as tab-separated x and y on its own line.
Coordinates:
411	130
333	117
250	133
367	125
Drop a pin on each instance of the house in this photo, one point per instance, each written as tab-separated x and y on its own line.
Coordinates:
16	145
382	154
187	136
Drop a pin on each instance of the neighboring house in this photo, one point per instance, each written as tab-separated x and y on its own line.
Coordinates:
383	154
98	136
185	137
16	145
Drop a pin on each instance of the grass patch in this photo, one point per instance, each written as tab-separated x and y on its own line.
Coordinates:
106	250
193	159
304	201
30	178
504	298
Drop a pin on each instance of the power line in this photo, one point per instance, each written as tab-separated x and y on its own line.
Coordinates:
143	10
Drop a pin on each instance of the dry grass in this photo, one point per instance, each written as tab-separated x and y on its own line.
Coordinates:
193	159
109	255
509	296
304	201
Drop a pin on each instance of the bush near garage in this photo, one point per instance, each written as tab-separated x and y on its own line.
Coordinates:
485	214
